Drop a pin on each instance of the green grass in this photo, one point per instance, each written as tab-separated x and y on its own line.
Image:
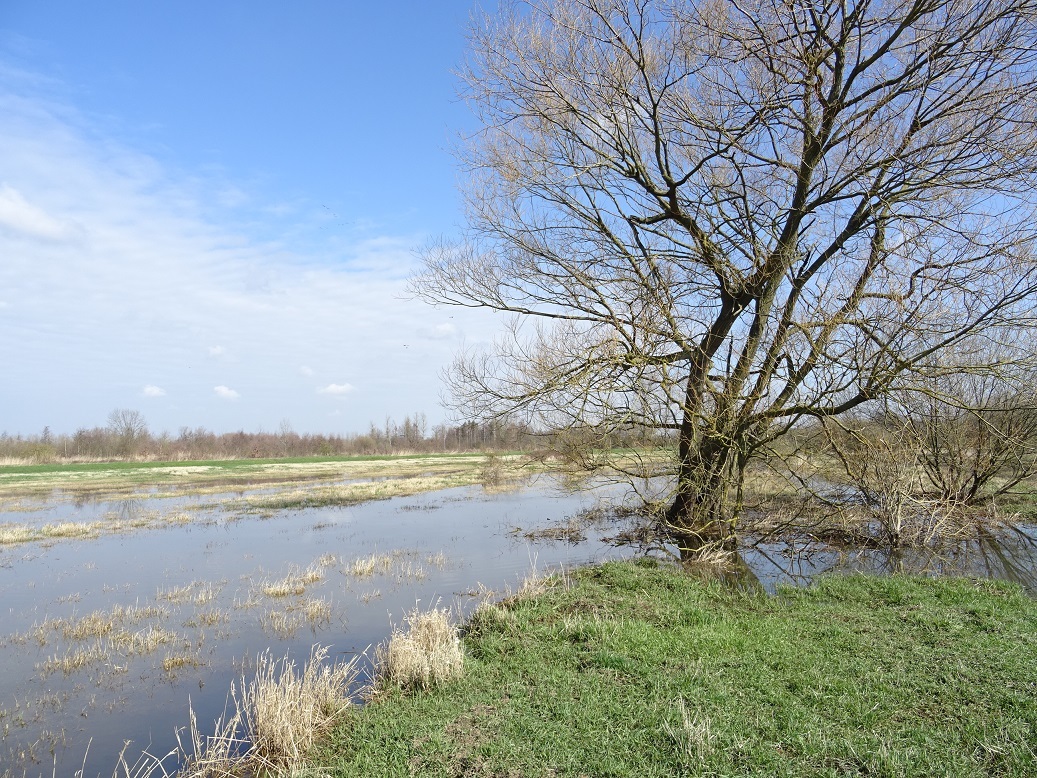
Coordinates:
640	670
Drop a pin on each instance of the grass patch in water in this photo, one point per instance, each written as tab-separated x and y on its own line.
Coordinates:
196	592
313	613
402	565
12	533
637	669
179	478
296	581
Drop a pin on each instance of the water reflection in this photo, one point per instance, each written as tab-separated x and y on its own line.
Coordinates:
1009	554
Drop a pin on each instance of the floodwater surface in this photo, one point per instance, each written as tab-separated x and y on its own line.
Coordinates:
112	639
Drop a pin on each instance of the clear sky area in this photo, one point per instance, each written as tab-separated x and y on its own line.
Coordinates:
208	211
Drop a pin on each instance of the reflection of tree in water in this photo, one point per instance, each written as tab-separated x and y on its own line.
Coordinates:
1008	554
128	509
727	566
78	499
1012	554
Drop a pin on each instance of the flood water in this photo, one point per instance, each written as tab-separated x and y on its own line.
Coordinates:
200	601
109	640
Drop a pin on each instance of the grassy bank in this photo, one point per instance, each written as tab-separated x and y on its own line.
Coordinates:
639	670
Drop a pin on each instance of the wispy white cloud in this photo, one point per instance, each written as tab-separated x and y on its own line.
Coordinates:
153	391
18	215
336	389
443	331
126	274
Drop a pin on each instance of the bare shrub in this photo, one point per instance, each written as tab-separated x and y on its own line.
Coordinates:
885	477
492	471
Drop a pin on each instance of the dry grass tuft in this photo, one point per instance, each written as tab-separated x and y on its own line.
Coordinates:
196	592
439	560
93	625
277	720
295	583
179	660
290	586
402	565
143	641
317	611
209	618
285	623
711	562
279	717
694	738
427	652
67	529
75	659
367	566
286	712
16	533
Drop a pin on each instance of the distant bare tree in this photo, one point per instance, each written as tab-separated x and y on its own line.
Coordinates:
129	430
716	219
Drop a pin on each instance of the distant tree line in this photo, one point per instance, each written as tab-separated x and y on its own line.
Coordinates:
126	436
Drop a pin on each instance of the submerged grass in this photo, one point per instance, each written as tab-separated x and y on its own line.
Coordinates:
638	669
96	624
12	533
400	564
196	592
313	613
111	649
402	480
295	583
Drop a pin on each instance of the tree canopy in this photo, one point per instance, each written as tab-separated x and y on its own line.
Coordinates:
717	218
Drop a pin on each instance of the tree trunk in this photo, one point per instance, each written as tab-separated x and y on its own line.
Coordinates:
703	511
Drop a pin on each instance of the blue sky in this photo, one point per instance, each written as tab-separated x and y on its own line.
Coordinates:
208	211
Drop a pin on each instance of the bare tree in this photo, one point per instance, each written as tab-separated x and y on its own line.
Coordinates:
717	218
128	428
